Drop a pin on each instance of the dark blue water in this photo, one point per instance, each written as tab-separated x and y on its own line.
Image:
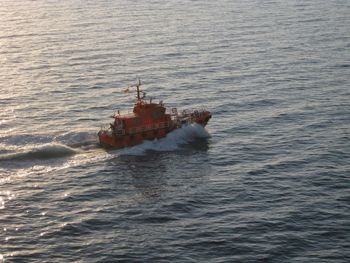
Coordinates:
268	180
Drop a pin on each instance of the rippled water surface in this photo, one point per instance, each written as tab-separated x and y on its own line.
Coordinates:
266	181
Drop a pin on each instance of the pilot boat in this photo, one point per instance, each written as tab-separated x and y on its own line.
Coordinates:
147	121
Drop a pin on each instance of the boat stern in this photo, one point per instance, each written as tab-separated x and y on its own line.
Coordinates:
105	138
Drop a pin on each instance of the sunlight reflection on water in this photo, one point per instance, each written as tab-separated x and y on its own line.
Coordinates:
274	75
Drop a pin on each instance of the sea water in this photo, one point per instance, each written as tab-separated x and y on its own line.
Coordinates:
266	181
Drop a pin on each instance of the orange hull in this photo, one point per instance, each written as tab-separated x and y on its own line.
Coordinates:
109	139
115	141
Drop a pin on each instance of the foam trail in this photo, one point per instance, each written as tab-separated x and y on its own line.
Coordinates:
46	151
78	139
171	142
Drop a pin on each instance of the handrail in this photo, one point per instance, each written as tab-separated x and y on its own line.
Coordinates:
145	128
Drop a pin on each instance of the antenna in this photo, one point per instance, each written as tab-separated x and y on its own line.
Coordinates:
138	90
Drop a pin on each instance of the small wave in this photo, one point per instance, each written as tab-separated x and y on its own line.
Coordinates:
22	139
71	138
75	139
171	142
46	151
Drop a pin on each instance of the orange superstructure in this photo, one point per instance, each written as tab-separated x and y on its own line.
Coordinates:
148	121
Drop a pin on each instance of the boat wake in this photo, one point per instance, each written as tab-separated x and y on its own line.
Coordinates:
46	151
41	153
25	153
83	139
44	146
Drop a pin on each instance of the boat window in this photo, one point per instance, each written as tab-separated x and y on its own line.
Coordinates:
157	114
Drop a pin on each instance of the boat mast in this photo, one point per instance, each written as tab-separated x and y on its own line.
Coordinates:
138	90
